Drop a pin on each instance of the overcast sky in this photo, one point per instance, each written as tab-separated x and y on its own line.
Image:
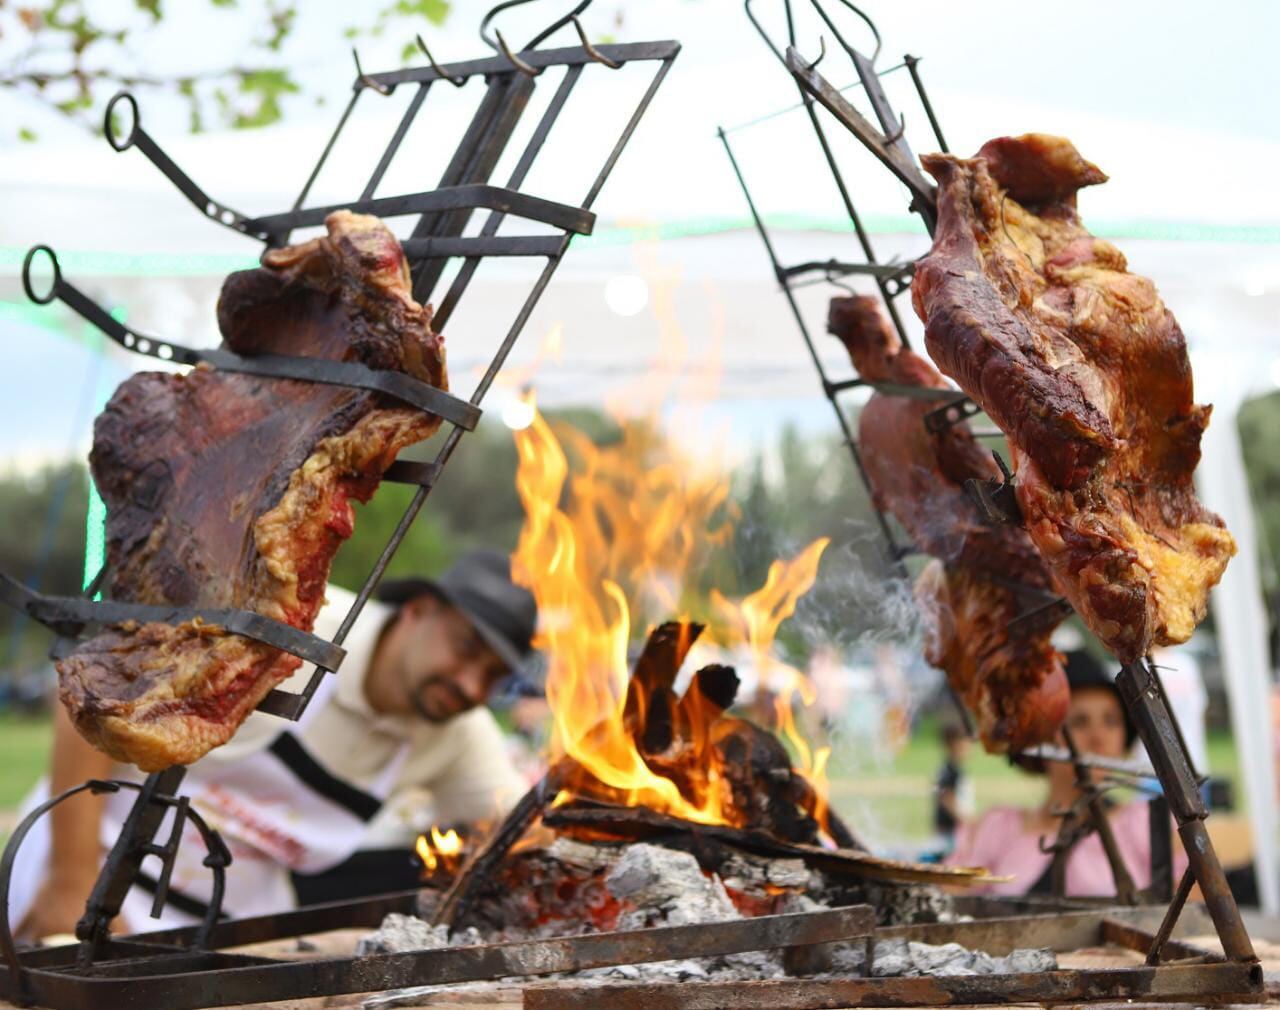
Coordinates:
1174	100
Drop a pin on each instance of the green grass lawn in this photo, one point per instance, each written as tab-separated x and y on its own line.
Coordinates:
24	754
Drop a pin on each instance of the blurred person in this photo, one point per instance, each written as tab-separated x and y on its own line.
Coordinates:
294	801
1006	840
830	677
953	790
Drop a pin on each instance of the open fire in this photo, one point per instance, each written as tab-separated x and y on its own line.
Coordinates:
616	538
440	852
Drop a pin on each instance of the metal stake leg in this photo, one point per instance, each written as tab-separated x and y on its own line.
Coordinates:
1145	702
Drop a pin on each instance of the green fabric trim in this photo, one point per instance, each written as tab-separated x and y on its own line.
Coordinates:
86	263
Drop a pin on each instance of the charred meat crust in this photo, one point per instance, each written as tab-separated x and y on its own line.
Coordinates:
231	490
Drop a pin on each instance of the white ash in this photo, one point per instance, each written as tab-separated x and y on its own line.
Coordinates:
668	888
484	993
399	933
1030	961
756	874
583	854
686	970
896	904
799	904
895	958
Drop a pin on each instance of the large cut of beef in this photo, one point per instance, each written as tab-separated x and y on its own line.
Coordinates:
1085	370
1010	679
226	490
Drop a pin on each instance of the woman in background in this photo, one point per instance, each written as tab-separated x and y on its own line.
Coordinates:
1006	840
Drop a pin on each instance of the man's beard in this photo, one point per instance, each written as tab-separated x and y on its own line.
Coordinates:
429	699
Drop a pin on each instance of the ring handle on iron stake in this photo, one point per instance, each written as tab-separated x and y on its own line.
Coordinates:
26	274
108	121
218	859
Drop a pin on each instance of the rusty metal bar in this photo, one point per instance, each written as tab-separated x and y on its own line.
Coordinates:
912	62
1160	941
895	551
1144	700
1042	925
1135	938
266	983
923	192
1159	826
1200	983
1126	891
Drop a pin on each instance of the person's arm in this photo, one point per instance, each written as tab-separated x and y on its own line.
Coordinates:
75	851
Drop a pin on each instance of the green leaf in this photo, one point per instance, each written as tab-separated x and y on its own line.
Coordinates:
70	106
26	134
350	33
409	52
223	3
152	7
282	23
267	86
434	11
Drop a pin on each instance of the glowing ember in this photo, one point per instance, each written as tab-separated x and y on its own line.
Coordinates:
614	542
441	851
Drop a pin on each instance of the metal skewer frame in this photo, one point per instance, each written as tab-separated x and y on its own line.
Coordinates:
508	80
1138	682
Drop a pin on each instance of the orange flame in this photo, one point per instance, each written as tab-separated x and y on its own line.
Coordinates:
441	851
756	620
612	543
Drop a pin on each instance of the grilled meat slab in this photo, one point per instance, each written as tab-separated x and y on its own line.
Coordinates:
232	491
1085	370
1012	681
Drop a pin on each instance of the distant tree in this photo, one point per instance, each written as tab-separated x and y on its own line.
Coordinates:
1259	421
71	55
41	543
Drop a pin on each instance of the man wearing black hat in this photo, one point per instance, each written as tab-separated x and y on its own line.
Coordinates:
294	801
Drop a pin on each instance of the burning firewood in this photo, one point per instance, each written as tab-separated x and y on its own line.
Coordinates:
689	740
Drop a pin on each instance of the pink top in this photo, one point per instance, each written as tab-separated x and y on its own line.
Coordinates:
999	841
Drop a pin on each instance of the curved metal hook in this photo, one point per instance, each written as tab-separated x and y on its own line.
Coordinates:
519	64
457	82
591	50
555	26
875	32
902	128
365	79
835	282
822	51
217	861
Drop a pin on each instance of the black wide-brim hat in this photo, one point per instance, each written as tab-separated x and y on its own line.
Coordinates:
479	585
